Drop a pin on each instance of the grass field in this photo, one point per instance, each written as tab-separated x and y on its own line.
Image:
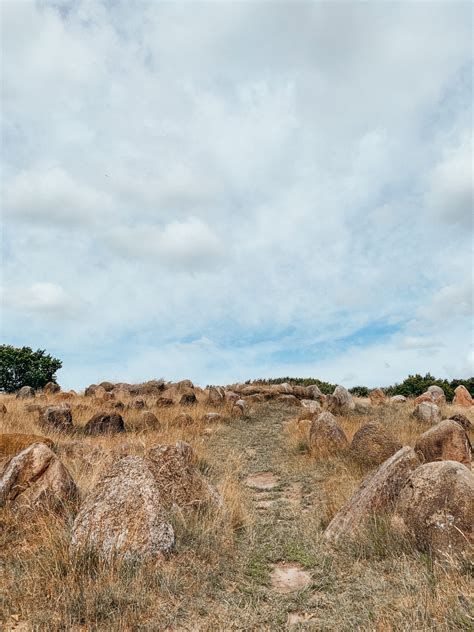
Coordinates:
219	576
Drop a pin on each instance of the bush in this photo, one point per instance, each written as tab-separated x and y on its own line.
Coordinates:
25	367
359	391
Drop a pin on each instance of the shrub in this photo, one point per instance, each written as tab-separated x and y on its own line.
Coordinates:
25	367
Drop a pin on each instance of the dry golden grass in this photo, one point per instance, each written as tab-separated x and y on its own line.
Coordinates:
218	576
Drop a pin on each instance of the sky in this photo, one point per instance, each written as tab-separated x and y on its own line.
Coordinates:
226	191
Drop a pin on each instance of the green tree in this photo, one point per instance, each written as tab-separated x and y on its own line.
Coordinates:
25	367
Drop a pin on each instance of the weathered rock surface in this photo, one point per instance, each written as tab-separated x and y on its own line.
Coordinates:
25	392
215	396
50	388
36	477
179	481
373	444
463	421
446	441
462	397
56	418
340	402
427	412
377	396
149	419
398	399
188	396
376	495
104	423
326	437
12	443
183	419
123	514
436	507
90	390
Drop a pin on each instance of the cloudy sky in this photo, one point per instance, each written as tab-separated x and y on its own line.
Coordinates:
223	191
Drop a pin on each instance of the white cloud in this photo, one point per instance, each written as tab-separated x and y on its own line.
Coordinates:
261	177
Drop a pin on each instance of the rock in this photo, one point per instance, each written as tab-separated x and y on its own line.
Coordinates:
312	405
377	396
183	419
139	404
437	394
104	423
25	392
88	454
256	399
446	441
107	386
462	397
36	477
300	391
427	412
326	437
398	399
152	387
188	397
424	397
12	443
230	396
90	390
463	421
212	418
183	385
290	400
372	444
108	396
179	481
240	403
123	514
215	396
149	419
56	417
51	387
436	507
3	409
340	402
313	392
376	495
65	395
164	402
118	406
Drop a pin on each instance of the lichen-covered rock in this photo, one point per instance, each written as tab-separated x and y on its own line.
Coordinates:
104	423
149	419
12	443
36	477
215	396
25	392
398	399
377	397
463	421
446	441
427	412
340	402
313	392
179	481
462	397
188	396
436	507
50	388
373	444
123	514
376	496
326	437
56	418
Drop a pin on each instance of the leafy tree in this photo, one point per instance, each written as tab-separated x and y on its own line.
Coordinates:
25	367
359	391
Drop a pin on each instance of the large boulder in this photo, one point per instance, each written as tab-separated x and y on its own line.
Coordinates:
107	386
50	388
56	418
12	443
463	421
123	514
376	496
326	437
436	507
398	399
377	396
149	420
215	396
311	405
36	477
104	423
340	402
427	412
372	444
433	394
26	392
179	481
188	396
447	441
183	419
462	397
313	392
90	390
